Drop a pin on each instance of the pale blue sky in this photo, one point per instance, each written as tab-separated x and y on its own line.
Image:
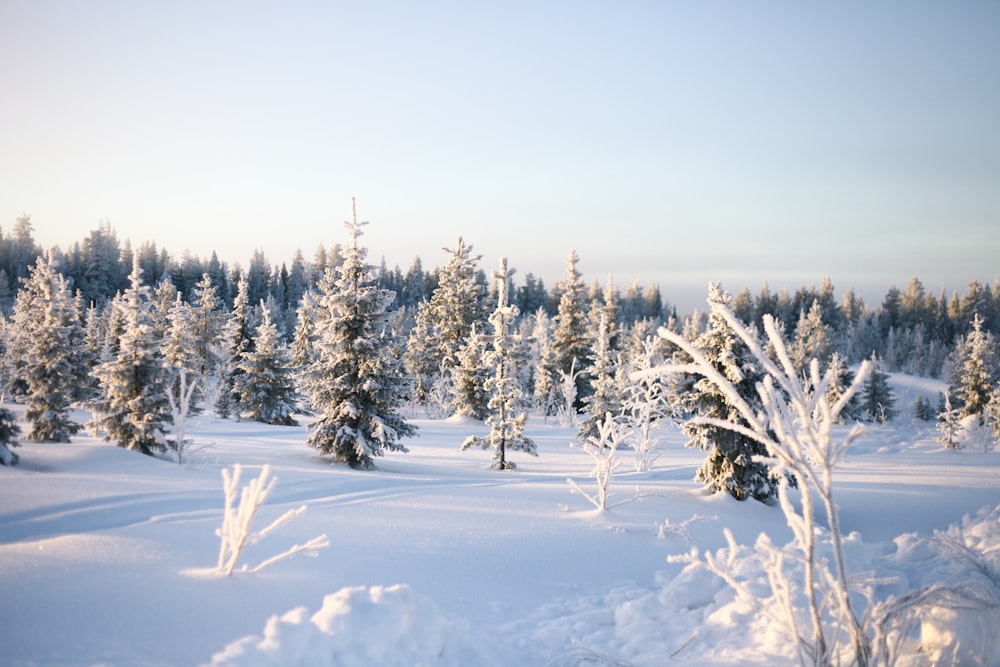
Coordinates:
675	142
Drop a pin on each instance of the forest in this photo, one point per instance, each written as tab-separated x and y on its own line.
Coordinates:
128	331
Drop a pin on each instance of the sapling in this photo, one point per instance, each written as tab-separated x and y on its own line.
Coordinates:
603	448
235	533
179	398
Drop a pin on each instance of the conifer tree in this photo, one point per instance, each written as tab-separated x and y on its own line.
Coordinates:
730	465
973	375
569	337
469	395
443	323
133	407
813	339
237	342
506	404
355	381
265	386
8	432
544	365
877	399
206	318
606	398
840	381
53	365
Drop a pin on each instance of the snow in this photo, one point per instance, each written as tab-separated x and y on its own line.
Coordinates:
436	559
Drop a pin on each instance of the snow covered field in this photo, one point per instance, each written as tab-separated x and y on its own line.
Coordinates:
434	558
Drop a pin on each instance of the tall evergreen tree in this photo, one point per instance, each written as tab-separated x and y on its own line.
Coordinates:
443	323
469	395
8	432
265	386
569	337
974	363
506	404
54	364
877	400
730	465
355	381
606	398
237	342
132	407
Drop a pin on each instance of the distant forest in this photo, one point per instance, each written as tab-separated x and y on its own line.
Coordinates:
911	330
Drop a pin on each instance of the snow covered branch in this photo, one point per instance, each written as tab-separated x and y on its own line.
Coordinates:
602	448
235	533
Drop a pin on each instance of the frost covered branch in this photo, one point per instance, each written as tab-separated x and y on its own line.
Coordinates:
602	448
235	533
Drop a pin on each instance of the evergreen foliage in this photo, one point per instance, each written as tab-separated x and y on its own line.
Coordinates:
731	465
265	386
355	381
606	396
237	342
469	394
877	400
8	432
132	407
570	340
506	403
53	363
974	362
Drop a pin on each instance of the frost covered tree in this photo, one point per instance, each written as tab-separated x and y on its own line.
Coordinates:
237	341
877	400
544	367
469	394
8	432
356	381
506	404
132	407
840	380
443	324
265	386
605	398
206	319
644	405
813	339
569	336
973	375
53	363
733	464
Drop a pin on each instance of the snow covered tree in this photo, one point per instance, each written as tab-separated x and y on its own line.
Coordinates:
443	323
53	364
949	424
569	337
812	338
469	395
644	405
877	399
356	381
840	380
265	387
237	341
8	432
506	404
133	407
732	464
974	370
206	318
605	398
544	367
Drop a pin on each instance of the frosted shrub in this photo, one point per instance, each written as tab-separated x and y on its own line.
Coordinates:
236	534
603	448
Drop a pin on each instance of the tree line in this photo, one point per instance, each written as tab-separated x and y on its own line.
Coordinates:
130	332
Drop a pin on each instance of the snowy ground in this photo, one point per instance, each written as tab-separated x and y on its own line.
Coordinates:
434	559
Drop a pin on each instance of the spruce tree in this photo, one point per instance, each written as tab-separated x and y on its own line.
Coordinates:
606	398
443	323
569	337
877	400
237	342
469	395
974	370
265	386
730	465
356	381
506	404
53	365
132	407
8	432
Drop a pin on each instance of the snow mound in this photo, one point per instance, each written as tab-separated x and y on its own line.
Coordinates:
358	626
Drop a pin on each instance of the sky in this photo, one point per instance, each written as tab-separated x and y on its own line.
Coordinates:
667	142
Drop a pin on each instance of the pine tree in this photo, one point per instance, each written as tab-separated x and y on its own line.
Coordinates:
606	397
949	423
133	405
237	342
205	323
469	395
973	377
812	339
840	380
53	365
265	386
730	465
569	337
506	404
877	399
8	432
443	323
544	396
356	381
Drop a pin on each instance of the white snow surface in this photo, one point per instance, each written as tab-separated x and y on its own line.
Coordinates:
436	559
